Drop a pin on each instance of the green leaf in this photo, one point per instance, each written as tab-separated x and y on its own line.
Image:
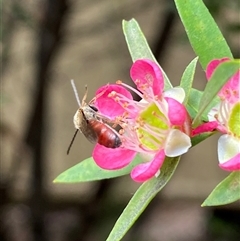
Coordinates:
187	78
204	35
193	102
220	76
136	41
142	198
88	170
138	46
225	192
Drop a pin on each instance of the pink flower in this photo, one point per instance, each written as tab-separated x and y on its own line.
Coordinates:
225	117
155	127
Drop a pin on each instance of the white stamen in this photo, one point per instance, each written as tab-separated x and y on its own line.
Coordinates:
224	112
133	90
155	133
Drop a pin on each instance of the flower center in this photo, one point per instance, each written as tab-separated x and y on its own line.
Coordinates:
234	120
153	126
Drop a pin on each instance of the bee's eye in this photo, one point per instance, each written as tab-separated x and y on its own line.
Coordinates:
93	107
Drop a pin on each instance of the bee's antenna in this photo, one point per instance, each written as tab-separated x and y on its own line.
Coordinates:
75	92
85	95
70	145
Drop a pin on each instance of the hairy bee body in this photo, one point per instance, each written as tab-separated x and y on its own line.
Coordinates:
93	125
94	129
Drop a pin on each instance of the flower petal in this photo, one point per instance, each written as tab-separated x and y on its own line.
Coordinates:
176	93
232	165
111	159
213	65
213	113
230	91
145	171
228	151
145	72
177	143
205	127
107	105
177	112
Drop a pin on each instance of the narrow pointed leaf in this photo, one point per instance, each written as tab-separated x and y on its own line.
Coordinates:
142	198
204	35
187	78
193	102
225	192
138	46
88	170
136	41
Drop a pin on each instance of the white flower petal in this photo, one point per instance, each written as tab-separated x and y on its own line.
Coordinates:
176	93
177	143
213	112
228	147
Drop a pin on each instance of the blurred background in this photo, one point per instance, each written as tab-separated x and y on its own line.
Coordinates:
45	44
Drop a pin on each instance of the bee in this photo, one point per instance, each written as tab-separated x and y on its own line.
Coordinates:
93	126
